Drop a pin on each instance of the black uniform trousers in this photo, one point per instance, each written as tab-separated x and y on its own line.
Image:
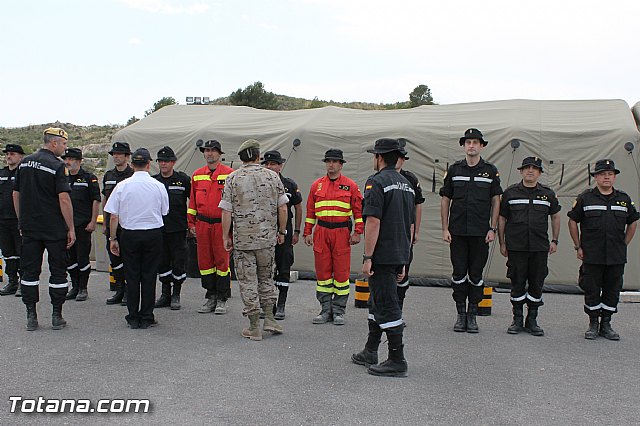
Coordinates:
468	258
384	309
116	261
78	264
140	251
174	257
527	267
31	265
403	285
284	259
601	285
10	244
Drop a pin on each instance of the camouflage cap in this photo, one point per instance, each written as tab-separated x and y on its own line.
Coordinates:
250	143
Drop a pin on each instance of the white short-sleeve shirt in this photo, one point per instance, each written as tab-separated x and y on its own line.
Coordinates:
139	201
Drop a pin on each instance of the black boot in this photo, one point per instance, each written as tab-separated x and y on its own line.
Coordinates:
531	323
57	322
282	300
10	288
32	317
123	302
518	318
175	297
73	274
592	331
369	355
605	329
461	322
472	325
279	315
164	300
83	281
396	365
118	296
73	293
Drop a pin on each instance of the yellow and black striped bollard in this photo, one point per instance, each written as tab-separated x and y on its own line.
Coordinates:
112	280
484	307
362	294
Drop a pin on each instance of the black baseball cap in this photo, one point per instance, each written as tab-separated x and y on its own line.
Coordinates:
141	156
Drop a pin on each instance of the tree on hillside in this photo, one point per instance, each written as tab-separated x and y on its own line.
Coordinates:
254	96
132	120
421	95
160	104
316	103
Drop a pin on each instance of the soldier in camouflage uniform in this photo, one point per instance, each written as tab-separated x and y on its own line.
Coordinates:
254	200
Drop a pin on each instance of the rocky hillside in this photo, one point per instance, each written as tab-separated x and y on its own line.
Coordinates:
94	141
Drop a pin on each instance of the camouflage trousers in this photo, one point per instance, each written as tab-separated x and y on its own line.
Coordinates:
254	271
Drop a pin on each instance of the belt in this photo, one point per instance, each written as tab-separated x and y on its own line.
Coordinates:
206	219
335	225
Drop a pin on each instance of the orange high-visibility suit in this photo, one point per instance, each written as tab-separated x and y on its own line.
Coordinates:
205	215
330	206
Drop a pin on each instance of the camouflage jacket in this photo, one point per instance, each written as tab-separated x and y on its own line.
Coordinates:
252	194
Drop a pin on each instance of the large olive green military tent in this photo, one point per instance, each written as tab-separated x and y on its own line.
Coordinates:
569	135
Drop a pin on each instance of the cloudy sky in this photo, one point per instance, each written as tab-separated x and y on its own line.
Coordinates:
103	61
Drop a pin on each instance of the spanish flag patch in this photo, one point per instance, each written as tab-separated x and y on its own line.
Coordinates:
368	187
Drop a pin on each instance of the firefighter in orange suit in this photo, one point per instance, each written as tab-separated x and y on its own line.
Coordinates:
205	223
333	199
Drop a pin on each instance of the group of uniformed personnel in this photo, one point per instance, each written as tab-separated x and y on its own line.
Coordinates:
473	211
218	206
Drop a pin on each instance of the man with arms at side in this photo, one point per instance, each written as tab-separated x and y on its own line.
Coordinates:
389	213
10	240
121	154
608	221
137	205
255	203
43	207
284	252
174	237
85	197
469	211
403	284
332	200
205	223
524	240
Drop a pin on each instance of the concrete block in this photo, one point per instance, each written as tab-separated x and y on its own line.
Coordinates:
293	276
630	296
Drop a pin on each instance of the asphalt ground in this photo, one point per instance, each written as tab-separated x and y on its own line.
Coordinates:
197	369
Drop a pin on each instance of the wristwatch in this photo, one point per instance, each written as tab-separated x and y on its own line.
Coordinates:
494	230
282	232
296	231
555	242
365	258
112	238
